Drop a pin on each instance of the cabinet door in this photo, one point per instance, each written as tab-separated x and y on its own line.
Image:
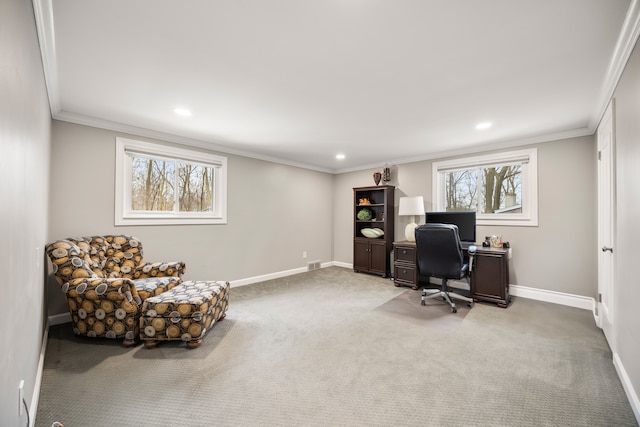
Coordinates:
488	276
360	255
379	257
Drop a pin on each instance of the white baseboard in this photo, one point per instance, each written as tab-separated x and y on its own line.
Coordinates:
59	319
33	408
578	301
628	387
276	275
340	264
270	276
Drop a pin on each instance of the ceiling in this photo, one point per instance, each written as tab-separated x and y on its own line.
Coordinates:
299	81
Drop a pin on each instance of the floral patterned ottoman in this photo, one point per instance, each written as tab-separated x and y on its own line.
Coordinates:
185	312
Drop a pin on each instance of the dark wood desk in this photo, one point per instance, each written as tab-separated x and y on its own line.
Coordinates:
489	276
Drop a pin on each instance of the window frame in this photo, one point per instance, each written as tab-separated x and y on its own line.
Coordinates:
528	158
124	215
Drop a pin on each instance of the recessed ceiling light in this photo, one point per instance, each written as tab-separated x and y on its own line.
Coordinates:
182	112
340	156
483	125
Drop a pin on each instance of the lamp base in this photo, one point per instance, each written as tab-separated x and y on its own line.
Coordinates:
410	232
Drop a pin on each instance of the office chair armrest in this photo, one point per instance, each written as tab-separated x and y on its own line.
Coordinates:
471	250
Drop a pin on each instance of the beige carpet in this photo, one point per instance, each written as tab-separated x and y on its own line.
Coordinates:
436	314
324	349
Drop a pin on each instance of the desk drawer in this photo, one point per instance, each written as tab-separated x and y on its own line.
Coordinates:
404	273
405	253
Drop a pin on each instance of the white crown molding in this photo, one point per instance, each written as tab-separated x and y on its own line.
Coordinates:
43	12
624	47
494	145
162	136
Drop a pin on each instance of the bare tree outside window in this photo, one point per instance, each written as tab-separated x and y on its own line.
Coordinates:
154	185
196	183
501	188
461	190
489	190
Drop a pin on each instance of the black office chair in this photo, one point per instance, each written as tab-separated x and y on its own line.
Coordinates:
439	254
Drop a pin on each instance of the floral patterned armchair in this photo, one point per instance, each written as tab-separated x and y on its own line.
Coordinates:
105	280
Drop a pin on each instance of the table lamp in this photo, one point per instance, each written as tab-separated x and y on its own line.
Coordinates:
411	206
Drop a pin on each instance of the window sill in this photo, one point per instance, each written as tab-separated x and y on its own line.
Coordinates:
169	221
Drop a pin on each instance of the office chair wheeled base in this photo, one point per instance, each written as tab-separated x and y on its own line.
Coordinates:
446	296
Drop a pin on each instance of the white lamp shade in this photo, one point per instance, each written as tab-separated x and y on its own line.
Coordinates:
411	206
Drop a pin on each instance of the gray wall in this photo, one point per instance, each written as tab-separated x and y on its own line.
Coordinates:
275	212
558	255
25	134
627	235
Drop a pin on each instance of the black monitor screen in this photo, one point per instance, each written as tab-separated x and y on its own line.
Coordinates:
466	222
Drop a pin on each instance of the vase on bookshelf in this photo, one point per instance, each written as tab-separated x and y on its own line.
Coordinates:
377	176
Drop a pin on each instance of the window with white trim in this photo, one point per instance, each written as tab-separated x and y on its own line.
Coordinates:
501	188
158	184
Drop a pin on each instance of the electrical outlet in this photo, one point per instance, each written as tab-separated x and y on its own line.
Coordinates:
20	397
304	254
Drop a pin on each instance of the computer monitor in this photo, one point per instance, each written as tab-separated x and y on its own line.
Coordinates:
466	222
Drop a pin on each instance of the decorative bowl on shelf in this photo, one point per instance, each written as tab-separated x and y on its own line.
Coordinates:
372	233
364	214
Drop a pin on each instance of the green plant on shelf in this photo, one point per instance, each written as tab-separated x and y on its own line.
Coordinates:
364	215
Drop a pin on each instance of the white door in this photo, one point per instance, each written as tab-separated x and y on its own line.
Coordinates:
606	218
